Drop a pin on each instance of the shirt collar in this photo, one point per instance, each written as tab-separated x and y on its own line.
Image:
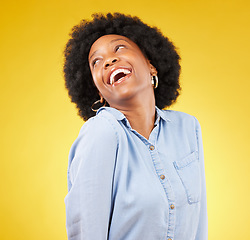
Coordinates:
116	113
120	116
160	113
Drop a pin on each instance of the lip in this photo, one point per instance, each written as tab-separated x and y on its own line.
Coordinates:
121	80
114	69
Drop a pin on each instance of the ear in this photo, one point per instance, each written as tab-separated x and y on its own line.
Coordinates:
101	98
153	70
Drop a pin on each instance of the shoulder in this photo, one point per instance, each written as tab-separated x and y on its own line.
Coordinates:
96	131
98	126
96	144
176	116
181	119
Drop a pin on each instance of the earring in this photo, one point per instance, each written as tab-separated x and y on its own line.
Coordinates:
154	81
96	102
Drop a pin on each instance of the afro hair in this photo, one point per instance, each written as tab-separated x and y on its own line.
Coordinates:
157	48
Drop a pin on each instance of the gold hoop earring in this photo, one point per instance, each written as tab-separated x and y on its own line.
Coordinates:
96	102
154	80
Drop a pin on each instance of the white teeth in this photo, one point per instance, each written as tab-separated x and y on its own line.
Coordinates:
112	76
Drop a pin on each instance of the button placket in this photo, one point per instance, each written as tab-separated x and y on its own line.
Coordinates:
159	169
167	188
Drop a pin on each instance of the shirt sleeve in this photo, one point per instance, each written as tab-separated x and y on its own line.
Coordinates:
92	161
202	232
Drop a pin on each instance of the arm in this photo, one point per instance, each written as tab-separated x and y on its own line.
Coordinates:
202	231
88	203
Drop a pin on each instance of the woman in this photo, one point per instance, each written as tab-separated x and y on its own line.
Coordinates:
135	171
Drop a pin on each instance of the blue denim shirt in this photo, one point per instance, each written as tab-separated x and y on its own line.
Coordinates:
123	186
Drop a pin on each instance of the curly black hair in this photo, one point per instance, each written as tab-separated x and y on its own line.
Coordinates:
158	49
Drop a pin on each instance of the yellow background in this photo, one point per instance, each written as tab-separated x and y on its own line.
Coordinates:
39	124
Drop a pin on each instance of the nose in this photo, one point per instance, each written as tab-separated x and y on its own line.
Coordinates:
110	61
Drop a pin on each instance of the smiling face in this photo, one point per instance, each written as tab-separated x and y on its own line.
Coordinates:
119	69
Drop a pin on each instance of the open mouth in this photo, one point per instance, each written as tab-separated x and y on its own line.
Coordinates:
118	75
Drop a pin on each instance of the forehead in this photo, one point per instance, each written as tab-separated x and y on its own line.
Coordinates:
106	40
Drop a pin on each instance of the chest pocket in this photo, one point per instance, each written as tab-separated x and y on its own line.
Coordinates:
188	170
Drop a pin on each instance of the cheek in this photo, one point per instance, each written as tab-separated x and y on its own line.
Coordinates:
96	78
143	69
141	62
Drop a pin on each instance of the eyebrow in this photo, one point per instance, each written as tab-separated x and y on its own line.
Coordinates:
114	40
118	39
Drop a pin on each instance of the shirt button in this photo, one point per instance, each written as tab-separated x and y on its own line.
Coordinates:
172	206
162	177
152	147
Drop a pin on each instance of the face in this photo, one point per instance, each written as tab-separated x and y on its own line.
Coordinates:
119	69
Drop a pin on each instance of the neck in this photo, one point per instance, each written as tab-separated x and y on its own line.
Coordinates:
140	114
